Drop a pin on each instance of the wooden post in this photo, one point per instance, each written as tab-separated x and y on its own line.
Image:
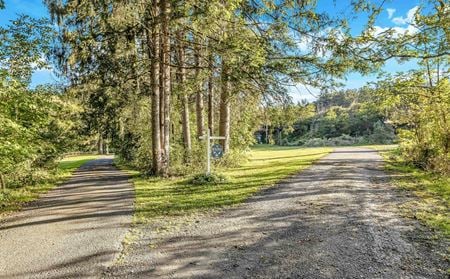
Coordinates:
208	152
208	139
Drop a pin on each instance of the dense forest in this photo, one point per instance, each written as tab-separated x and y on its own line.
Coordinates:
146	79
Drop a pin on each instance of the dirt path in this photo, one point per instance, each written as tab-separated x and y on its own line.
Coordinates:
74	231
338	219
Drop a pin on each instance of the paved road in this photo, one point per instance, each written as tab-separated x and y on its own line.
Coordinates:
74	231
337	219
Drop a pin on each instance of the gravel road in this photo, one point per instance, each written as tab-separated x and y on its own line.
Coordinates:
74	231
337	219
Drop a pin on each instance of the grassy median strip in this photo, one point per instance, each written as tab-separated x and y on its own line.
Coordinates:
12	199
266	166
432	192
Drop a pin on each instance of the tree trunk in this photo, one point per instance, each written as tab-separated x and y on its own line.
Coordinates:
184	96
279	136
161	86
2	182
225	109
267	134
136	62
153	53
211	96
199	96
100	144
165	48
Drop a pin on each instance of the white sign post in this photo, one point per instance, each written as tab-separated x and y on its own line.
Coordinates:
208	139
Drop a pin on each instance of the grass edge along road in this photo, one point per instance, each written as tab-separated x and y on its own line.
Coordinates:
267	165
14	198
431	201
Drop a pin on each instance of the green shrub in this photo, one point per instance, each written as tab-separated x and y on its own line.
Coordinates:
315	142
209	179
346	140
382	134
233	158
36	126
343	140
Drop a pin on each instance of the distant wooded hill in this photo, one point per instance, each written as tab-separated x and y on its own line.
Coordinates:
344	117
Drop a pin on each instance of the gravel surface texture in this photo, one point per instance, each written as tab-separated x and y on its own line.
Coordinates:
74	231
337	219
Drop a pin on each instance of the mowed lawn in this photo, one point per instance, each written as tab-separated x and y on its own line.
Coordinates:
266	166
12	199
69	164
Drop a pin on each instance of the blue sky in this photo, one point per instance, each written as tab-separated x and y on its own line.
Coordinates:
395	14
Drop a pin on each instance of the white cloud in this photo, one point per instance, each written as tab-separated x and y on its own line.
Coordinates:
410	29
399	20
302	92
42	61
406	20
390	12
304	44
398	30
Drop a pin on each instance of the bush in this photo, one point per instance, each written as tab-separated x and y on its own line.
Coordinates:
233	158
315	142
382	134
381	137
209	179
440	164
36	126
344	140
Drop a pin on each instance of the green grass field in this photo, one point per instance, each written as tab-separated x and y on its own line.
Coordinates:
13	199
266	166
432	191
69	164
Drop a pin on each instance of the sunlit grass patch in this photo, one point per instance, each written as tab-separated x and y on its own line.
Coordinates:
177	196
69	164
382	147
432	192
14	198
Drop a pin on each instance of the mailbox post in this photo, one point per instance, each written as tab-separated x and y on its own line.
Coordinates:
208	139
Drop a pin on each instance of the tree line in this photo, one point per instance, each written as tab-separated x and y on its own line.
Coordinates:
342	117
155	75
36	125
146	79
